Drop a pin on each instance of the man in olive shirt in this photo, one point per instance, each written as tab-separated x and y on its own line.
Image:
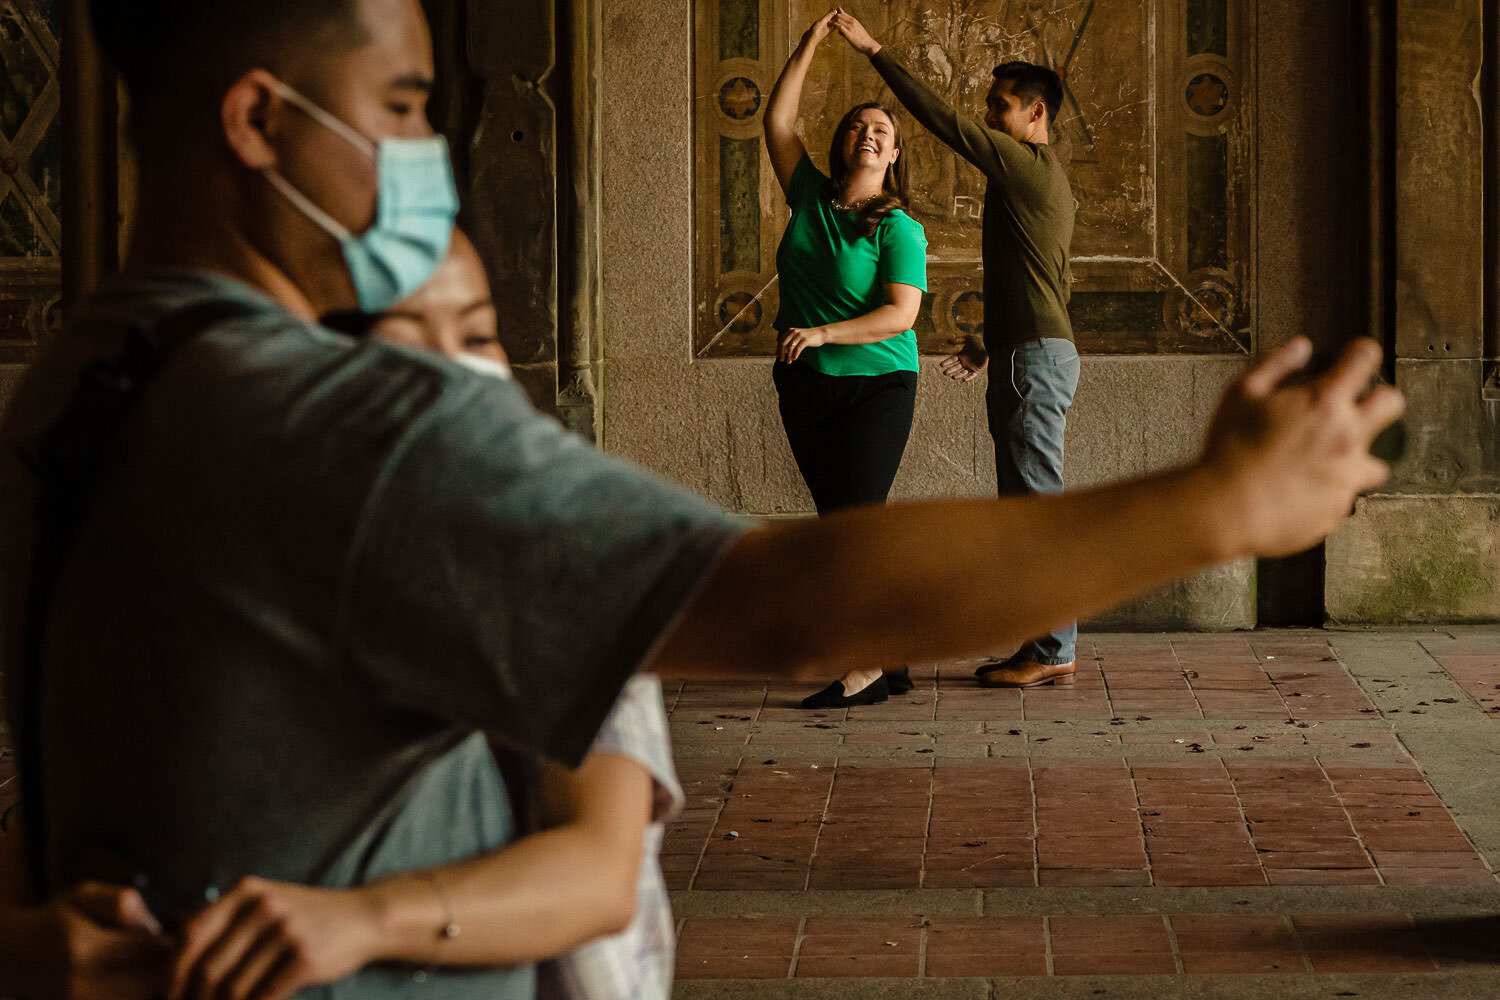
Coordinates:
1028	226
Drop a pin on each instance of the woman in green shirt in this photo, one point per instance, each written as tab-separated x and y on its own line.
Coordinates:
853	267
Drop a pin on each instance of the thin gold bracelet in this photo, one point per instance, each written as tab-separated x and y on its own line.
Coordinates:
447	932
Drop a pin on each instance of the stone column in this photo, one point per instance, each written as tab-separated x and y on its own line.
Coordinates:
1427	546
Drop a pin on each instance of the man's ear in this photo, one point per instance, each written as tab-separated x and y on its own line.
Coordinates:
250	115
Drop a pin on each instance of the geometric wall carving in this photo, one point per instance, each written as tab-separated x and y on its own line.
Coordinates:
30	176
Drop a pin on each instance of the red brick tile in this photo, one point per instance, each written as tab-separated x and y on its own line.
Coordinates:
860	928
857	966
1178	853
1428	859
1194	814
1286	840
1210	932
768	862
1323	876
982	860
1439	837
1345	858
1331	929
733	967
724	880
1135	964
986	878
1115	934
1208	876
1243	962
1002	833
703	937
1097	876
999	964
1437	876
833	878
983	935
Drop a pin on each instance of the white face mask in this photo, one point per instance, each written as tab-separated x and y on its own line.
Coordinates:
414	211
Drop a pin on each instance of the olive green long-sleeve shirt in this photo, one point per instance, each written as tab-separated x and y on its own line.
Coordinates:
1028	216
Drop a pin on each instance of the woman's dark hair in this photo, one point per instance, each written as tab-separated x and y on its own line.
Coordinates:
893	188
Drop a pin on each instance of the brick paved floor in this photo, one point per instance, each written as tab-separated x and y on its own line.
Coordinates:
1239	816
1248	814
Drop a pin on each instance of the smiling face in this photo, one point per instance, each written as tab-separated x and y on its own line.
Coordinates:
869	141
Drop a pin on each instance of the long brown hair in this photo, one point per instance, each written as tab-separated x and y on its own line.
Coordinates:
893	187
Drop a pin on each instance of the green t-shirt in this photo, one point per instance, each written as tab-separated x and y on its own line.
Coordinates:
829	273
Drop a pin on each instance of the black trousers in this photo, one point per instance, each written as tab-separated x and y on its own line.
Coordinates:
847	432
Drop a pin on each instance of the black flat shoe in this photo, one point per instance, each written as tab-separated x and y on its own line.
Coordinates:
833	695
899	681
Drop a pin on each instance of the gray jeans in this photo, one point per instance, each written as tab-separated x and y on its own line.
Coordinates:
1030	390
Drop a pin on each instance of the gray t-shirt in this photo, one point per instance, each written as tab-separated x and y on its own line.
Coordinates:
319	567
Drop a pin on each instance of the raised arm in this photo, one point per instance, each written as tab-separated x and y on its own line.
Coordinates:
928	581
993	152
782	141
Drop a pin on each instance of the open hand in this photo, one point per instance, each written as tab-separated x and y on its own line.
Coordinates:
1291	459
965	364
791	343
266	940
854	32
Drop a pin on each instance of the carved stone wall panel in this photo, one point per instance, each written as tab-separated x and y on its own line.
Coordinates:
1156	129
30	176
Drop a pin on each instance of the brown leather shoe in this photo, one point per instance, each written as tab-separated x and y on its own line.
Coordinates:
1015	673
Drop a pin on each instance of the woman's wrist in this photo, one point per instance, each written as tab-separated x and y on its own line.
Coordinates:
406	919
389	921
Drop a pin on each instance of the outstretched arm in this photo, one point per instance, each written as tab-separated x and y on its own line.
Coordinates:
994	153
780	122
927	581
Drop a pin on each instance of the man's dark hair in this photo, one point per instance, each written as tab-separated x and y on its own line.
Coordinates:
171	50
1032	83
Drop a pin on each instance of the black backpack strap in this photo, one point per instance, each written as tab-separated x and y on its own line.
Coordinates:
67	460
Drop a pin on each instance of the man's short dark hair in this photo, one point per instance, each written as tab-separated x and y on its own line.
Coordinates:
1032	83
180	48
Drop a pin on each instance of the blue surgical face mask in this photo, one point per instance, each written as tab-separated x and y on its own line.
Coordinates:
414	211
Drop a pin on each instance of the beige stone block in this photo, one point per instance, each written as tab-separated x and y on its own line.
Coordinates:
1416	559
